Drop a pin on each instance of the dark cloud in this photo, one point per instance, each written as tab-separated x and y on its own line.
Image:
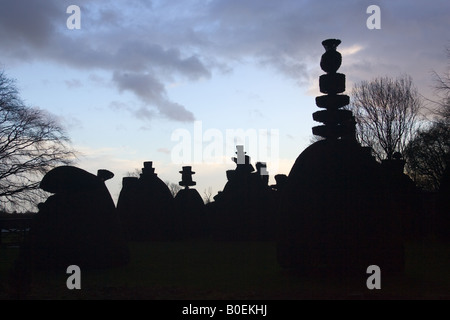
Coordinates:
286	35
147	45
144	113
137	55
36	30
175	111
26	24
152	92
144	85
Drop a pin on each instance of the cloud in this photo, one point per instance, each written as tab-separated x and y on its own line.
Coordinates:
157	43
106	41
286	36
25	25
152	92
348	51
144	113
164	150
97	79
73	83
144	85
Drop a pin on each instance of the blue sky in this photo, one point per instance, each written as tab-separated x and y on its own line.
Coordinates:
138	72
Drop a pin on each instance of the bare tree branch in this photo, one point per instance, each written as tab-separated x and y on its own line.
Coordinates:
429	153
208	195
442	90
31	143
386	111
427	156
173	187
135	174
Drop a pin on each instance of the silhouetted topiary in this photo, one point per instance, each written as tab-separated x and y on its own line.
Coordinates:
190	219
338	211
245	209
78	224
145	207
407	197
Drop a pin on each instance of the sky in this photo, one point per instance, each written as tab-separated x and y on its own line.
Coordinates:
181	83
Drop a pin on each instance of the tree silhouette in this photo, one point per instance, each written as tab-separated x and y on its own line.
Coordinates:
208	195
173	187
442	88
427	154
31	143
386	112
136	173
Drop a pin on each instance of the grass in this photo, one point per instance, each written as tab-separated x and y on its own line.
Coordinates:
233	270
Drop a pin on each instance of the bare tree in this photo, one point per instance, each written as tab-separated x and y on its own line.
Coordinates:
208	195
173	187
315	138
386	111
442	89
134	174
427	155
31	143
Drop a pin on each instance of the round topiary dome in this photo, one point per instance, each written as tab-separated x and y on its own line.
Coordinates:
338	212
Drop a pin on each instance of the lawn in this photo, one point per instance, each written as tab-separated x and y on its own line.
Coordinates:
233	270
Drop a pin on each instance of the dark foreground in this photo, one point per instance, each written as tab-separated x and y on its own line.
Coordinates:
208	270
